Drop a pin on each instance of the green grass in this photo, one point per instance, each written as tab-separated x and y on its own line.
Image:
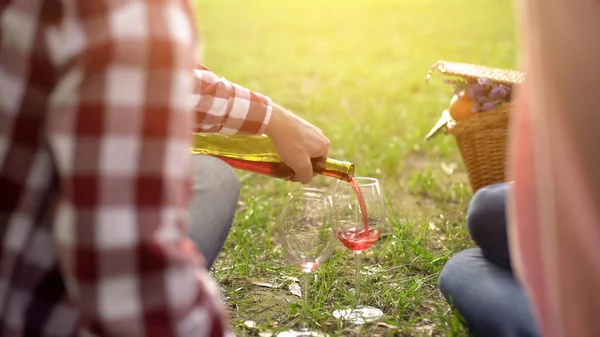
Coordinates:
356	69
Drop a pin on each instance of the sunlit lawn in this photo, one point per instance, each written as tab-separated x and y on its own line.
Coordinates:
356	69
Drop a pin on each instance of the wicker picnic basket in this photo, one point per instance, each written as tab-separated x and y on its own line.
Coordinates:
482	138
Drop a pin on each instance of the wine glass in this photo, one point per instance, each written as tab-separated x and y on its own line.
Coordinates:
306	234
358	229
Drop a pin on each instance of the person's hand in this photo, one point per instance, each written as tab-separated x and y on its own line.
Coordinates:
297	142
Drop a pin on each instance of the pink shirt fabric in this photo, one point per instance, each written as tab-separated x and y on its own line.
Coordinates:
554	208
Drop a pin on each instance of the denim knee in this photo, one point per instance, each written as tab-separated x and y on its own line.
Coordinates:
451	281
486	214
214	177
487	296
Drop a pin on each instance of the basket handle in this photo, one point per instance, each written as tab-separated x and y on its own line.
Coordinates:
474	71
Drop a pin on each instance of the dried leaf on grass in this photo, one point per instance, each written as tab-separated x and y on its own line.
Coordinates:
448	168
261	282
276	283
387	325
265	334
250	324
295	289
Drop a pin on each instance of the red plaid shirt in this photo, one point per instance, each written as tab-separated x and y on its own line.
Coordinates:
95	126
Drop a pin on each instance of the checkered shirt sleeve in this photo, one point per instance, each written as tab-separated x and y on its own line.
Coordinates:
228	108
118	127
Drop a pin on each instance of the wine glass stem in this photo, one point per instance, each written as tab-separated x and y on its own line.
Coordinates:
357	266
306	278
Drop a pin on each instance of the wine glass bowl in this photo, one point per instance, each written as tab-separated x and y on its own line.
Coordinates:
350	226
305	228
305	232
359	212
307	245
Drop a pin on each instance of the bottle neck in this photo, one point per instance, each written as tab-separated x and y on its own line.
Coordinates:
333	168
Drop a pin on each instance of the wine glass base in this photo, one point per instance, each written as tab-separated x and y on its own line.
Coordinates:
360	315
302	333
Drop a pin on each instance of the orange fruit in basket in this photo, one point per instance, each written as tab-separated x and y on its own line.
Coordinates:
461	107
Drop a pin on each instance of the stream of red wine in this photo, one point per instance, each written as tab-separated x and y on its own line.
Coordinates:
361	203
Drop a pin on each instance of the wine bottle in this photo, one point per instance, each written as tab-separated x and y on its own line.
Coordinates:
257	154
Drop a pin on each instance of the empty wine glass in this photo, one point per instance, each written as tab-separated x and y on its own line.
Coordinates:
305	232
358	228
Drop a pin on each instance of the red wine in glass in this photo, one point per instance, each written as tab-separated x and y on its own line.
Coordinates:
358	239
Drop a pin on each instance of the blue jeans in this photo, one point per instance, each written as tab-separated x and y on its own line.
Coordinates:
213	206
479	282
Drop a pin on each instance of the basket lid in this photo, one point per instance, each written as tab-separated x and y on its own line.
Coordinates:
474	71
